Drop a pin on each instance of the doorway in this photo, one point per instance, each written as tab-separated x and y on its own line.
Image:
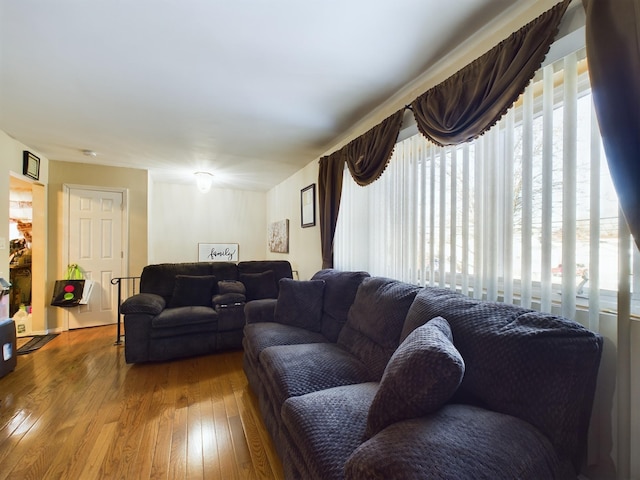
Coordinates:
96	220
20	246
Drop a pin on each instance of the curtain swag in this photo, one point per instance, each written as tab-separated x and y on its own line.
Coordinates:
472	100
367	157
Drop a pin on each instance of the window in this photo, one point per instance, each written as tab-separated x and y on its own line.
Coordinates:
524	214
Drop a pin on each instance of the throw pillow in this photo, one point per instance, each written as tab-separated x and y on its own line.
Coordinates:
192	291
423	373
300	304
260	285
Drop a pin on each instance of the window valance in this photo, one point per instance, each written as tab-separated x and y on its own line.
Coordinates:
472	100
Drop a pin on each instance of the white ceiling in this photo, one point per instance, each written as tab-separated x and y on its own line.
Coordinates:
250	90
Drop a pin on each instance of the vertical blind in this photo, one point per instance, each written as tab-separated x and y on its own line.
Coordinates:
524	214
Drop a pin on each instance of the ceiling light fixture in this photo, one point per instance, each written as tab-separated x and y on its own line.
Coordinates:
203	180
89	153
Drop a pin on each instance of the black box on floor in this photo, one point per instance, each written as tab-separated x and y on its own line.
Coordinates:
8	355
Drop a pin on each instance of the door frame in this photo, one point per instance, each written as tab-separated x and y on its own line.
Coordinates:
124	228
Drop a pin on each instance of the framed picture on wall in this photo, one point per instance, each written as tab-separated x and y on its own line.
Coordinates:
278	235
218	252
30	165
308	206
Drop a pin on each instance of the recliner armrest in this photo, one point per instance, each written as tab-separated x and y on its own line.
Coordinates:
260	310
148	303
228	299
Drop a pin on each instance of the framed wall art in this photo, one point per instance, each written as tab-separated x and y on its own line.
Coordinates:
278	235
218	252
308	206
30	165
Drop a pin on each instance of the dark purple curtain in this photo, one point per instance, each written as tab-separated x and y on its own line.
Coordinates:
471	101
613	52
329	194
367	156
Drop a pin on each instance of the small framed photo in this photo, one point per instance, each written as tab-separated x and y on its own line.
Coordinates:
30	165
308	206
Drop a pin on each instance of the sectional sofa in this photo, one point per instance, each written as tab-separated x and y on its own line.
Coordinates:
364	377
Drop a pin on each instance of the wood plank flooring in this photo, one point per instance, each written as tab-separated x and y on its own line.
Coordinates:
75	410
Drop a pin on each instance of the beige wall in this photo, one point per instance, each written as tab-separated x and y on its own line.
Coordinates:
304	243
180	217
71	173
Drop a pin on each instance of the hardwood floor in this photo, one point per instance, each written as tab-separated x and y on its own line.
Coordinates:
75	410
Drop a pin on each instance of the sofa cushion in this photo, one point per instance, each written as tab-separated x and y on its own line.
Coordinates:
173	322
193	291
375	320
339	293
300	303
324	428
421	376
258	336
458	441
292	370
260	285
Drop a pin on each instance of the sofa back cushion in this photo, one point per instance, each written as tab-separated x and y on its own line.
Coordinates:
375	320
193	291
224	270
300	304
339	294
538	367
160	278
280	268
259	285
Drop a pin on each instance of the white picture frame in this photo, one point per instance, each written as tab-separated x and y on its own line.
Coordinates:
218	252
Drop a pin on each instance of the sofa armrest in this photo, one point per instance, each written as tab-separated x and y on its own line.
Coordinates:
148	303
230	292
262	310
225	299
139	311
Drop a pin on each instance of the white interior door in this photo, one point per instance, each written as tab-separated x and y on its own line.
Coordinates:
95	222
